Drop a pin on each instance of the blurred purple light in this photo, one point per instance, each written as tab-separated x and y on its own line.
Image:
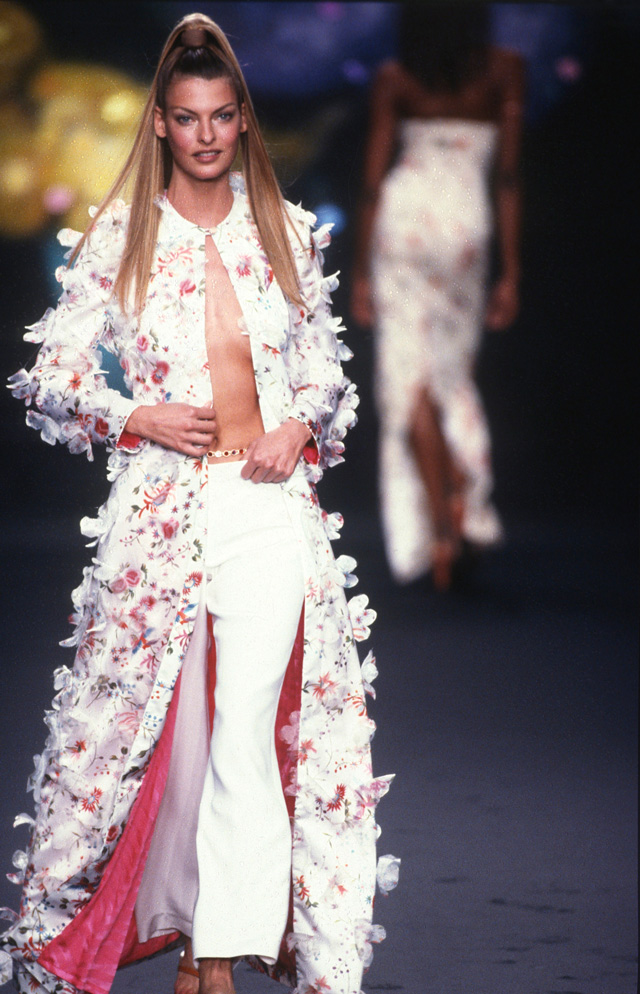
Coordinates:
331	11
355	72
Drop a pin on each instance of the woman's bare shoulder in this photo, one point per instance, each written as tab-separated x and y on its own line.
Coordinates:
394	84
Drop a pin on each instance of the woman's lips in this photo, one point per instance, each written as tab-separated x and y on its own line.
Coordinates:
207	156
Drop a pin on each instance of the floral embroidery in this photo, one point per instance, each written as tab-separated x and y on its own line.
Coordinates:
134	611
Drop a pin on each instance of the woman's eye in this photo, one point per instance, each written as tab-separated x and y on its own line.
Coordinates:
226	115
183	119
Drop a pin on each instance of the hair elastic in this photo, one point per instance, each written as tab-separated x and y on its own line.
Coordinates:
195	38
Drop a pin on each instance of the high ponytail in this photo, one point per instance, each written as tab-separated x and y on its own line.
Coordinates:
195	47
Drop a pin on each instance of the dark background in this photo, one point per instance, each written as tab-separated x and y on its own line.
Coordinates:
559	387
507	708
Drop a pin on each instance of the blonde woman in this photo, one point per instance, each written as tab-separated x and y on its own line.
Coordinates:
207	778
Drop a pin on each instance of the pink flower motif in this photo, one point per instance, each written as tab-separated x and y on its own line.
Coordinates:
142	342
290	733
186	287
170	528
244	266
118	585
133	577
324	684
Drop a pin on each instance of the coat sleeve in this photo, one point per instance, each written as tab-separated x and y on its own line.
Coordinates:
323	397
66	390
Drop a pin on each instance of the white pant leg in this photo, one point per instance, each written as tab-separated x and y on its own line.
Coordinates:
255	595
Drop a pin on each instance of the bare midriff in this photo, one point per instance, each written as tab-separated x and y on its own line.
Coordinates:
233	384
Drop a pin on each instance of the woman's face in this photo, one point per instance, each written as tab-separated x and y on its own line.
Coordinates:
202	123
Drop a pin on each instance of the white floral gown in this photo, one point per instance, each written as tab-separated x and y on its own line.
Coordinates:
429	267
99	780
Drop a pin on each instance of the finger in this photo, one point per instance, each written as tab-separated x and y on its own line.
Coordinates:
258	476
204	413
201	438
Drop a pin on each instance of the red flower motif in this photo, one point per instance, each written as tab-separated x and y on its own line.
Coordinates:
91	802
324	684
306	747
303	890
133	577
161	370
142	342
75	381
102	427
105	282
336	801
170	528
186	287
111	834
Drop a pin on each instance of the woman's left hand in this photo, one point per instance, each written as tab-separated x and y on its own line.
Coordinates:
503	304
273	457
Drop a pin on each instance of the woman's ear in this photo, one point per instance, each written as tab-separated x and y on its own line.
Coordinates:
243	119
159	126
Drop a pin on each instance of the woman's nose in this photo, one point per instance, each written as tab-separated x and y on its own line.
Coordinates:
206	132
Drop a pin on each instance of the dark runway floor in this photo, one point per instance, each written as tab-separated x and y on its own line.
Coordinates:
508	712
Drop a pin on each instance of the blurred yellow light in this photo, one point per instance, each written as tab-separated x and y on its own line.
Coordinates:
17	177
123	107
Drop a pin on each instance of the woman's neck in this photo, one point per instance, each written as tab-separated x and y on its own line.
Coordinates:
203	203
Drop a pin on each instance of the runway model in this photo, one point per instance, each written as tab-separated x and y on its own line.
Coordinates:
207	778
444	136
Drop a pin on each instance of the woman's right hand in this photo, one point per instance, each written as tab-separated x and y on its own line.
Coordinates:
186	429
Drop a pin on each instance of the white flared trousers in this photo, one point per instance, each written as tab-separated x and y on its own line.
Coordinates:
219	868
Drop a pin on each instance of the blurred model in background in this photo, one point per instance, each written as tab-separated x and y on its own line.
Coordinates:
441	167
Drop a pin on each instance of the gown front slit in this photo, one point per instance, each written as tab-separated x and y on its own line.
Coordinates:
430	263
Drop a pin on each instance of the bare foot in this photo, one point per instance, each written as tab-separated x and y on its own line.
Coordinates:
216	976
187	981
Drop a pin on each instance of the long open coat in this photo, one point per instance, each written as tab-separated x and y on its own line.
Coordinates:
99	780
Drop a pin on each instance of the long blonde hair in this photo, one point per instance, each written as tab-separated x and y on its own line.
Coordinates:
148	166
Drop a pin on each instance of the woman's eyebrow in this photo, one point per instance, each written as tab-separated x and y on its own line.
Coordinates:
188	110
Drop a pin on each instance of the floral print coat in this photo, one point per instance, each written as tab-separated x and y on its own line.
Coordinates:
135	610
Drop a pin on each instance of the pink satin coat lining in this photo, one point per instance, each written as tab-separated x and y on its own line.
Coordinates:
103	935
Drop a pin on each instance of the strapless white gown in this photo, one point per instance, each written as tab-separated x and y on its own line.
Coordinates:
429	270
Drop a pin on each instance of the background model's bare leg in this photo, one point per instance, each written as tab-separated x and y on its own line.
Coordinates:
442	482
